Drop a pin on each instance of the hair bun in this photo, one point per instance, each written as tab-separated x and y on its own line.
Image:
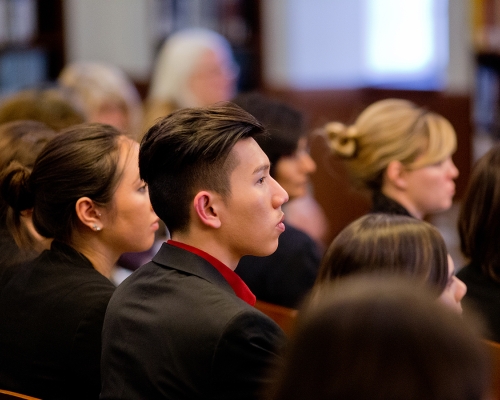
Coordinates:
15	189
342	138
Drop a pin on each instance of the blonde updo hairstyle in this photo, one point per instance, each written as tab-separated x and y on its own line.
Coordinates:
388	130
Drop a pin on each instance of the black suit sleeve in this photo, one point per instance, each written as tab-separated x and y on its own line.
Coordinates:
247	352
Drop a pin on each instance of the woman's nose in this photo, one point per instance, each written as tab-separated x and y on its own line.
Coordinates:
453	169
307	163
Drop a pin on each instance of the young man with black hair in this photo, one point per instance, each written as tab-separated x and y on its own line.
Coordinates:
183	326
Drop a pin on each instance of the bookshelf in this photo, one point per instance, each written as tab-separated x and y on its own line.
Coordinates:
486	43
31	43
237	20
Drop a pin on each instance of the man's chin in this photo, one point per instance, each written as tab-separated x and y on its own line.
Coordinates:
267	252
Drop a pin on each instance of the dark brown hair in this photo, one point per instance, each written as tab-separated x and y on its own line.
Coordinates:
188	151
381	243
81	161
382	338
284	124
479	216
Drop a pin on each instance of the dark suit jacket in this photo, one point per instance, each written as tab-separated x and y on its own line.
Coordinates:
51	315
176	330
288	274
385	205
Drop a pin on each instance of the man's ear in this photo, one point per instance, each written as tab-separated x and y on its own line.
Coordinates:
206	210
88	213
396	175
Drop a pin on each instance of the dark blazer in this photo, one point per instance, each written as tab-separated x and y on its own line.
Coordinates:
10	254
483	297
385	205
51	315
288	274
175	329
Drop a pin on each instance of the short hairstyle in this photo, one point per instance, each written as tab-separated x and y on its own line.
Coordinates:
81	161
284	124
388	130
52	106
386	243
479	215
96	84
382	338
188	151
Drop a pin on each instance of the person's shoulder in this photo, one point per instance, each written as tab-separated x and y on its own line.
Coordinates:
90	290
248	316
252	327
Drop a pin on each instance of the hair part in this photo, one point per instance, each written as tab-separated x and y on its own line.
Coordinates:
188	151
383	243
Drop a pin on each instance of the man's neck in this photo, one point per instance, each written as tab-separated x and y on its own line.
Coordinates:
210	245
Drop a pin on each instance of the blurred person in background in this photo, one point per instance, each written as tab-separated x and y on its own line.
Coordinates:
106	94
194	68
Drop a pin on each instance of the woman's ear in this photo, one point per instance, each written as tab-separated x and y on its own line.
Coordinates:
88	214
205	209
396	175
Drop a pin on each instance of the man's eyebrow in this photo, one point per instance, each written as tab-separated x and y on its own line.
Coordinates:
261	168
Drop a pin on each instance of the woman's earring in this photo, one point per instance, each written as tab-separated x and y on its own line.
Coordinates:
96	228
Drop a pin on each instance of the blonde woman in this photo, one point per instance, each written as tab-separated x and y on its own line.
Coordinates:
402	153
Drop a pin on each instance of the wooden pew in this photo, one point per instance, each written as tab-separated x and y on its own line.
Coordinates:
494	352
284	317
7	395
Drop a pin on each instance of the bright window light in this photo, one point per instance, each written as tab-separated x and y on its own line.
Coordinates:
399	35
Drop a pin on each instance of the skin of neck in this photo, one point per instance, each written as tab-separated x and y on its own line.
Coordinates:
91	245
400	195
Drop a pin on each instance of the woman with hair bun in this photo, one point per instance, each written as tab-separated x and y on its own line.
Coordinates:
20	141
85	192
402	153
